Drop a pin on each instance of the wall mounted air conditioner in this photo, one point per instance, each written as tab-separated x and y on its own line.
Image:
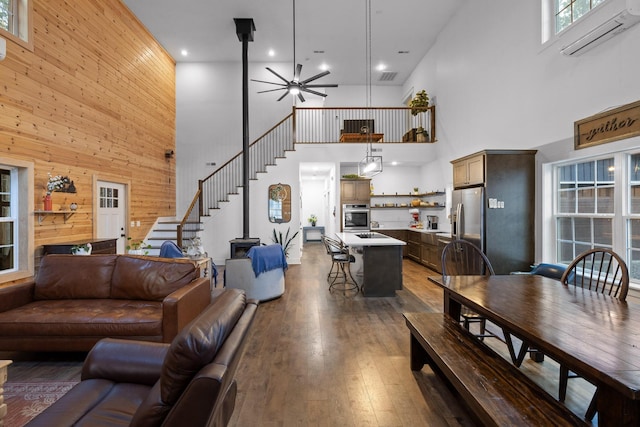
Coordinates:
590	38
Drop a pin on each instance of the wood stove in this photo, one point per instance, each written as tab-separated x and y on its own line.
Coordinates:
240	246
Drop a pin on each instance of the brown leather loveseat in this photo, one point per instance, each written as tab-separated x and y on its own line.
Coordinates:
75	301
189	382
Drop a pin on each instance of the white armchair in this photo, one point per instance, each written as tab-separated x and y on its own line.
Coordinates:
239	273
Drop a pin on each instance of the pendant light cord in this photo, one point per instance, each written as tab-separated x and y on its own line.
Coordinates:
368	66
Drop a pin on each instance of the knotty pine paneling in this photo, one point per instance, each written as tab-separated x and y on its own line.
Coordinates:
95	97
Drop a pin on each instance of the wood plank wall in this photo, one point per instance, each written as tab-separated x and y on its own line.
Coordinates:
95	99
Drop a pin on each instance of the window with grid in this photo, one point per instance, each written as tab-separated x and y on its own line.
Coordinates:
585	207
8	219
569	11
633	217
14	19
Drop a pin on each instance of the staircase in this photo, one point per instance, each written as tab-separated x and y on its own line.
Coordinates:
303	125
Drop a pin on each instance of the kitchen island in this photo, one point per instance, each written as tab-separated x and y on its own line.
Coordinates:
381	258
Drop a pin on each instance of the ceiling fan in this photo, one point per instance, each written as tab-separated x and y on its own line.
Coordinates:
295	86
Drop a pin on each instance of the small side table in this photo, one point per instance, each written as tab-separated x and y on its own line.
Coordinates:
3	378
305	230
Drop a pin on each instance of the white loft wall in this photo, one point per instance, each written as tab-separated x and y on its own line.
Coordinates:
496	87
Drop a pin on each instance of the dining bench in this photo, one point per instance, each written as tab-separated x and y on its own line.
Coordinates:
496	392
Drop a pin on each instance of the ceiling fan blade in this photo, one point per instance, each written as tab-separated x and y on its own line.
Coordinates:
317	76
271	83
272	90
296	74
313	92
283	96
278	75
321	85
300	96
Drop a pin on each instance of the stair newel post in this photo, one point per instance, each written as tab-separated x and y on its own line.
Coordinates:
244	31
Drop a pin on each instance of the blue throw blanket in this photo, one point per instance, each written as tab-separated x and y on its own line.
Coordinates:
265	258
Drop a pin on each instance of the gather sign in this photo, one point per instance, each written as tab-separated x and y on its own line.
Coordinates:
612	125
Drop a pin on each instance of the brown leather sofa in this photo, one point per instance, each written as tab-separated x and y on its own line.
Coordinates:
75	301
189	382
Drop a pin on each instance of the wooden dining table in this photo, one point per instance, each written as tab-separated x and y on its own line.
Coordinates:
594	335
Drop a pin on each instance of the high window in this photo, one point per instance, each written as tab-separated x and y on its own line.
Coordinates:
15	22
8	226
569	11
597	205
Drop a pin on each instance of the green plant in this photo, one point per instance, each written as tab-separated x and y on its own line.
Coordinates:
286	242
313	219
418	105
137	245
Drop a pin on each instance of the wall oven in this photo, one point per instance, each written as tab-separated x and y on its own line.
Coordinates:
355	217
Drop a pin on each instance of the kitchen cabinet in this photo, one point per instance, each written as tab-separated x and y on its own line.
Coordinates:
414	244
429	251
355	191
397	234
468	171
499	211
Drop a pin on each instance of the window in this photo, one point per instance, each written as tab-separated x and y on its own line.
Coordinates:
585	207
597	204
15	21
16	219
8	226
569	11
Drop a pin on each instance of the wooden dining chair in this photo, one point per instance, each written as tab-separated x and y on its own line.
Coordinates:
598	270
463	258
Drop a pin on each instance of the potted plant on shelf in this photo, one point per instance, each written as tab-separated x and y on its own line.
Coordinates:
418	105
137	247
313	219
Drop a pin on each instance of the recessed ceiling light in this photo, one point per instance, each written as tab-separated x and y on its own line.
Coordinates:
184	52
394	163
324	66
381	67
272	52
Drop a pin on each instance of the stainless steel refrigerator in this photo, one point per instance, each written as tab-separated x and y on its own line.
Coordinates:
499	222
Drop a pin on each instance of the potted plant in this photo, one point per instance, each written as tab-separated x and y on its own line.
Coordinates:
84	249
313	219
418	105
285	241
137	247
416	190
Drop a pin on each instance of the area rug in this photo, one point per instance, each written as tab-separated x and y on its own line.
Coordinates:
26	400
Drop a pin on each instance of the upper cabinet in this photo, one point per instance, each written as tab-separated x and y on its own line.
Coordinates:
355	191
468	171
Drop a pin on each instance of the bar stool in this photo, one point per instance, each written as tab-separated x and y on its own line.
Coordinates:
341	260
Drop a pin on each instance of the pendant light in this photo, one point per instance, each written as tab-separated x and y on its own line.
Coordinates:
370	165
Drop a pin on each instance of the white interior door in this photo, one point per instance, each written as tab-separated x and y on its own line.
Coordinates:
112	202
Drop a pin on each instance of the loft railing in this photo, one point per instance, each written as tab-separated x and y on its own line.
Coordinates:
308	126
329	125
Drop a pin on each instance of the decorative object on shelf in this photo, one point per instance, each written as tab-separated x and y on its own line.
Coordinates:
416	190
418	105
81	249
48	202
195	250
59	183
137	247
73	206
313	219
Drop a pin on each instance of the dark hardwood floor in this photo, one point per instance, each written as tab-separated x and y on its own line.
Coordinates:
320	358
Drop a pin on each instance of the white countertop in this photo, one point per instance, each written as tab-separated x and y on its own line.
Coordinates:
352	239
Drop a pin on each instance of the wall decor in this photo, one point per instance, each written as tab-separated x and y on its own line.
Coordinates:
608	126
279	203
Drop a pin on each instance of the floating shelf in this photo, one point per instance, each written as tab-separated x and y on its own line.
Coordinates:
433	193
43	214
